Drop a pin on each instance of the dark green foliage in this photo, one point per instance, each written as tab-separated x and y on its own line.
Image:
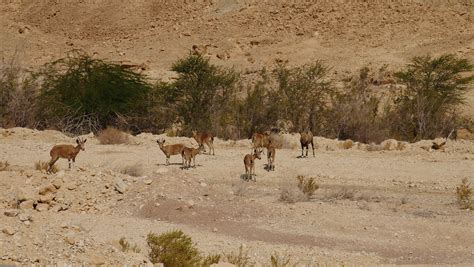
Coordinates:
302	96
434	89
173	248
201	94
83	94
354	113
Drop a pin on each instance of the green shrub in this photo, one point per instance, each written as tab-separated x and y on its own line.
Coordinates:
81	94
173	248
210	259
434	88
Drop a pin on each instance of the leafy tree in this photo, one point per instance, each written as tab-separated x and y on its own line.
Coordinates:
433	90
81	94
202	93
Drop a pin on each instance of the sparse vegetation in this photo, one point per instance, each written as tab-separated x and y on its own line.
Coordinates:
464	195
210	259
4	166
134	170
173	249
113	136
126	246
43	166
307	185
279	261
292	195
239	259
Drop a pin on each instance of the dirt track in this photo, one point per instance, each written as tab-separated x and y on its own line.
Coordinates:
372	207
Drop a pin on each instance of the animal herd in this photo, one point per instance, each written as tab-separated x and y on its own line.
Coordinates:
260	141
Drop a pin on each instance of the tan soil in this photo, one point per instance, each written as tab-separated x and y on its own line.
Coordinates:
399	208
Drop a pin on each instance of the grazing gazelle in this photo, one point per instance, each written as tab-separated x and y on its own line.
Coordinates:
249	162
270	156
170	150
189	153
204	138
306	139
68	152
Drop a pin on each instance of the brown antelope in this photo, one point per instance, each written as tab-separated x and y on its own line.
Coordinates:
204	138
306	139
270	156
68	152
170	150
189	153
249	163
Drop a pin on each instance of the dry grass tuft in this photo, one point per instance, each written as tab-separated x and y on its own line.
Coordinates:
210	260
279	261
347	144
113	136
291	196
464	195
374	147
126	246
307	185
343	193
4	166
240	259
135	170
43	166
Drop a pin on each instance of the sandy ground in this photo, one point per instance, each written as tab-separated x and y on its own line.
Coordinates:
395	207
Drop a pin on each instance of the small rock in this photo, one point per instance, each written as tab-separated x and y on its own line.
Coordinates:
190	204
27	205
50	188
71	186
42	207
214	230
11	213
46	198
147	181
24	217
58	182
120	185
70	239
202	184
8	230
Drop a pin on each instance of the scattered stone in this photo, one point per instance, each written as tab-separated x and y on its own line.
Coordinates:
190	204
24	217
70	239
202	184
8	230
11	213
27	205
50	188
147	181
214	230
42	207
58	182
71	186
46	198
120	185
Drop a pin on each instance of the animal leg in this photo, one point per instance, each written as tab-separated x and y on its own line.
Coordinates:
312	147
51	164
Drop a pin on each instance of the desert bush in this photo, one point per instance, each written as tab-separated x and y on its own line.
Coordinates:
279	261
4	166
355	111
202	87
82	94
427	106
307	185
240	258
126	246
18	89
173	248
112	136
135	170
43	166
347	144
464	195
210	259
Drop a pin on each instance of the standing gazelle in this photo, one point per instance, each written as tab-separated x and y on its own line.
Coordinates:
170	150
249	162
188	154
68	152
204	138
271	150
306	139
